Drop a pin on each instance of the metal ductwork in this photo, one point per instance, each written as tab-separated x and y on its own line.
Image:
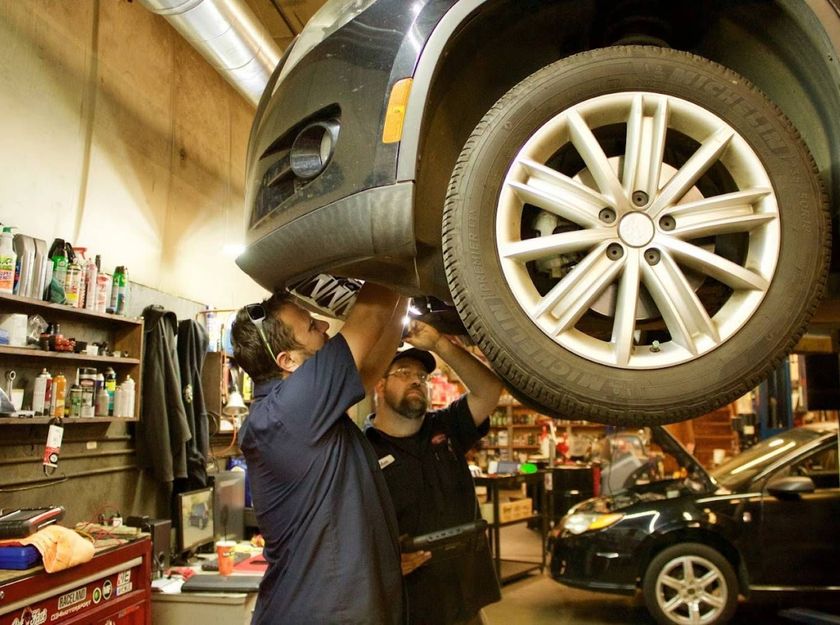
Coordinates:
229	36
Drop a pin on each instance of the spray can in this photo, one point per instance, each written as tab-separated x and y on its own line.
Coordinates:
122	293
115	288
87	383
8	261
75	400
103	292
59	388
40	394
91	284
128	397
110	388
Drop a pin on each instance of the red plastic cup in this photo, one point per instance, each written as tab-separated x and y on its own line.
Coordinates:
224	554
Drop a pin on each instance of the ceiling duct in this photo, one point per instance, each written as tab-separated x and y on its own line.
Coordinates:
229	36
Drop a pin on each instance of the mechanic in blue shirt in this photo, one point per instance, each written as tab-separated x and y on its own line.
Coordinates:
422	455
321	502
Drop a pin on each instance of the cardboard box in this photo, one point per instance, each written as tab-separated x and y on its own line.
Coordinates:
508	510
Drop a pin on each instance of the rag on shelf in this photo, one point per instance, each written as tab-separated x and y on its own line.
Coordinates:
60	547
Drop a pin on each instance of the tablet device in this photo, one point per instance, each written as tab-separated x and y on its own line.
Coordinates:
449	541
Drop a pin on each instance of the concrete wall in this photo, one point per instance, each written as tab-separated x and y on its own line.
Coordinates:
118	136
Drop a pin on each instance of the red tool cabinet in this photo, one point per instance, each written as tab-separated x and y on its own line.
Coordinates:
112	589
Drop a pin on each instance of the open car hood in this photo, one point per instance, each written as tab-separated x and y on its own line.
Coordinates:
695	470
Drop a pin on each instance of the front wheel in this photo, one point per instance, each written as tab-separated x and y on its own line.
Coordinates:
690	584
635	235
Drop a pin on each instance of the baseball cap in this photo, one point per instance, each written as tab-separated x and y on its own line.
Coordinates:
420	355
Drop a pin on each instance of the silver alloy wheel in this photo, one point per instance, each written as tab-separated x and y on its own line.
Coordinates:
642	230
691	590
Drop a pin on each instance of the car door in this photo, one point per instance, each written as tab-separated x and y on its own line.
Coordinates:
798	532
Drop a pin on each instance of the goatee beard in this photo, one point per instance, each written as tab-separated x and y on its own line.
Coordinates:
412	407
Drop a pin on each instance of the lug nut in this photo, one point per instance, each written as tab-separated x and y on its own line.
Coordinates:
654	347
640	198
607	215
614	251
667	223
652	256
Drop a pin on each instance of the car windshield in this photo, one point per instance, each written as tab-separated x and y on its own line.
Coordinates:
752	461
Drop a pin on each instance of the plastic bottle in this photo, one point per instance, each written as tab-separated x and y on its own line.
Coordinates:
59	388
75	400
40	393
8	261
72	284
128	397
102	399
58	256
118	402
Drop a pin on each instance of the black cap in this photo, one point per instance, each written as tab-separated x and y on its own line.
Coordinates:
420	355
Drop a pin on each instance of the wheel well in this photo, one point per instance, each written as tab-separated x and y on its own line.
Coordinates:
779	46
657	545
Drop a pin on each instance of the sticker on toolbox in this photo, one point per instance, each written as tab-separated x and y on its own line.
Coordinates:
31	617
71	598
107	589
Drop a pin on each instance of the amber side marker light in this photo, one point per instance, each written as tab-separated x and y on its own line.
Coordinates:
395	116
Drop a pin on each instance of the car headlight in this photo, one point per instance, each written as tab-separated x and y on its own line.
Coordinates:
581	522
328	19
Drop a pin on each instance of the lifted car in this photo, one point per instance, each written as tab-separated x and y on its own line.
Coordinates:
625	201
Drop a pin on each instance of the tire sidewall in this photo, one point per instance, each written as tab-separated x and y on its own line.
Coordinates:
530	360
669	554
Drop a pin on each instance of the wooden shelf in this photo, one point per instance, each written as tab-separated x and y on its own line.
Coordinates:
26	352
526	425
69	420
30	305
525	446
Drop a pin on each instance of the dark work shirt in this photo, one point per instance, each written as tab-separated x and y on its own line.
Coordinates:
320	500
432	489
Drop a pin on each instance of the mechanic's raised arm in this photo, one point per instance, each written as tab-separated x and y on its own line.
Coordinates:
483	387
374	366
373	315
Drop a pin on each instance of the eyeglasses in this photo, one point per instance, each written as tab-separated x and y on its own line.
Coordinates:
256	313
404	373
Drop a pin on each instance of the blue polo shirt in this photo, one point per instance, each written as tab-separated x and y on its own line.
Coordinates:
321	502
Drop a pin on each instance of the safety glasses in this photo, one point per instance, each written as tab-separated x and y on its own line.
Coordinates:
256	313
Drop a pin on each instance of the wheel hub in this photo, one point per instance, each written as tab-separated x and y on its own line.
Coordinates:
636	229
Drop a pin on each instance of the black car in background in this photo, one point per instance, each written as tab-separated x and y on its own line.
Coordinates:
764	522
626	202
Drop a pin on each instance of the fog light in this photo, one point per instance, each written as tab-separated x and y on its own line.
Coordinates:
313	148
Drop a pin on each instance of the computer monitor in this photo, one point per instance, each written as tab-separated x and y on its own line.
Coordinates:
229	504
195	520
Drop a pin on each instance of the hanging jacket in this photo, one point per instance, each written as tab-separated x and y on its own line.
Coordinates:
192	346
162	431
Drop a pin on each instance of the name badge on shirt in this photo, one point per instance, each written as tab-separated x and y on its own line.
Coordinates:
384	461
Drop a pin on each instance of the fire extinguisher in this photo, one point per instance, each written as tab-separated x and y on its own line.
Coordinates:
53	447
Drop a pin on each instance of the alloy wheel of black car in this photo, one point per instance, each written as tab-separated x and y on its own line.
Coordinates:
690	584
635	235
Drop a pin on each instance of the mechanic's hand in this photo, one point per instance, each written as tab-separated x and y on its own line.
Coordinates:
422	335
413	560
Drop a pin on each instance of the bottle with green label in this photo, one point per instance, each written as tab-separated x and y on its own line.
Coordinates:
58	255
8	260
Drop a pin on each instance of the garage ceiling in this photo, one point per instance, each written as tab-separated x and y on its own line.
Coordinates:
284	18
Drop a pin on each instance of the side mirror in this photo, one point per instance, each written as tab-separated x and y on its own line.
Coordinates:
790	487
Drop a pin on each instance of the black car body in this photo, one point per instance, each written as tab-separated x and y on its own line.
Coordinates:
411	143
764	522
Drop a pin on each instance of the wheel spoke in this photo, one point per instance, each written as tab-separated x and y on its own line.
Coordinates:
596	161
689	173
625	308
672	582
712	600
738	201
722	225
645	147
553	244
583	273
681	309
717	267
589	286
672	605
694	616
560	195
